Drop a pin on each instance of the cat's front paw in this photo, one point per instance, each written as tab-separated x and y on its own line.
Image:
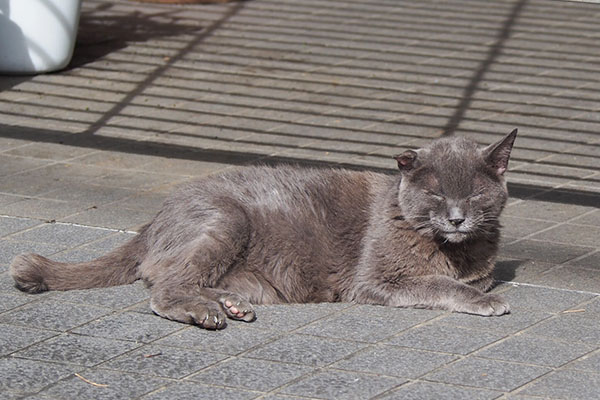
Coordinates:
487	305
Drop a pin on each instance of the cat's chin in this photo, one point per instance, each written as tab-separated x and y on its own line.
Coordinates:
454	237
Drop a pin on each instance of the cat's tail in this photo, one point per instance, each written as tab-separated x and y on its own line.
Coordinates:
33	273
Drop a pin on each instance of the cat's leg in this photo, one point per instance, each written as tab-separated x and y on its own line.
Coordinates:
435	292
182	285
484	284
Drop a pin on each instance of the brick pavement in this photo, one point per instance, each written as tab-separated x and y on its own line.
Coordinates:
158	95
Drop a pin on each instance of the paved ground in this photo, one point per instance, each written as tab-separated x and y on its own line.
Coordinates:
157	95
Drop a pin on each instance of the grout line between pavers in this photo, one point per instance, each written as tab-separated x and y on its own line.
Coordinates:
45	221
517	284
554	370
555	225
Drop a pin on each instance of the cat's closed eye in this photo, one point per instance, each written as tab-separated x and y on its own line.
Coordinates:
434	195
476	196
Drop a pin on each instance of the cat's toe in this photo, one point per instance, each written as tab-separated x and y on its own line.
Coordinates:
492	304
237	308
211	319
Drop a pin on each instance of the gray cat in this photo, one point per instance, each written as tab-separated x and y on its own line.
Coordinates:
425	238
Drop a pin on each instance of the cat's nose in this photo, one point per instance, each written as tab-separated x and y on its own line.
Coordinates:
456	221
456	216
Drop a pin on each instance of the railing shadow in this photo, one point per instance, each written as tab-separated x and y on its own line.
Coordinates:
132	146
493	53
101	33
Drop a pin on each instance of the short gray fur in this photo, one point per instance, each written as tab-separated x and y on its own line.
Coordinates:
425	238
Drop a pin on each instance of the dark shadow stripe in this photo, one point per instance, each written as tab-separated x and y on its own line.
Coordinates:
493	53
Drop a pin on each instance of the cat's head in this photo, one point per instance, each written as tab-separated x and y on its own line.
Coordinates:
454	189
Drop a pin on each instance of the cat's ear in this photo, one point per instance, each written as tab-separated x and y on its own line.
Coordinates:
407	160
497	155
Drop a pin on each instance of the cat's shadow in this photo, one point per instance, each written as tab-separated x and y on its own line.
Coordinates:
506	270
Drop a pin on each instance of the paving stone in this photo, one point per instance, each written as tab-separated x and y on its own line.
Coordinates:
9	249
149	201
283	397
592	218
304	349
561	327
116	297
395	361
536	350
46	209
519	227
11	225
13	338
432	390
49	151
337	384
52	314
87	194
234	339
191	391
543	299
357	323
29	376
137	180
111	216
114	159
591	261
291	316
130	326
582	235
42	180
65	235
445	338
76	349
543	210
114	385
186	167
163	361
6	199
568	384
571	278
540	251
251	374
9	301
10	165
489	374
590	362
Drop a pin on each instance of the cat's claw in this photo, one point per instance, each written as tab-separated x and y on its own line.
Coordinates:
239	309
213	319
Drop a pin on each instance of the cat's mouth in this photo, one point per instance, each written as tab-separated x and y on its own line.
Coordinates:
455	236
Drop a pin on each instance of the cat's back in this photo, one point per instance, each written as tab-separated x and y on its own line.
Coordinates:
285	188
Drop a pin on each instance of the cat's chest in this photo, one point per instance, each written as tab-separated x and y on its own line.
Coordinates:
405	252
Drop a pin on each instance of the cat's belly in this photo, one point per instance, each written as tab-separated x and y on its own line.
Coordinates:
258	288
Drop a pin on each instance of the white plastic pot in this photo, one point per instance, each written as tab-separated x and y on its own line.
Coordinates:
37	35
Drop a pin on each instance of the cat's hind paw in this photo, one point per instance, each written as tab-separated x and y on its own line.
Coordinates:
237	308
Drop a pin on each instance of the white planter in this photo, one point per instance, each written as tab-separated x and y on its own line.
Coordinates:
37	35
